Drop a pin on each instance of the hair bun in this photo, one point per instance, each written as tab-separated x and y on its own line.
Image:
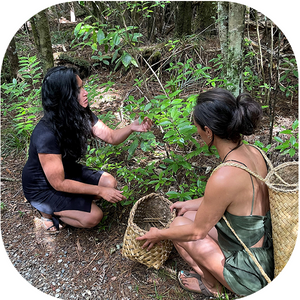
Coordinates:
250	113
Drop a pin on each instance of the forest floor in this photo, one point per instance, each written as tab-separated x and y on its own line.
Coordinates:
88	263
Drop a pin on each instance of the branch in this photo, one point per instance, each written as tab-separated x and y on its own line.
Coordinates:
9	179
155	77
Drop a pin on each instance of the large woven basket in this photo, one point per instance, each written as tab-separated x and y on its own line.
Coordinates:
152	210
282	182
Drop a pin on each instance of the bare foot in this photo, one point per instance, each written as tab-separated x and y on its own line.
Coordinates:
190	282
193	282
48	225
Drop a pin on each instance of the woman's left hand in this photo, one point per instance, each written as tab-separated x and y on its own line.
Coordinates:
143	127
151	237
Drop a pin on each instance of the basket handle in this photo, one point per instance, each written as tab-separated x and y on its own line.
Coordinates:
249	252
263	153
246	168
241	167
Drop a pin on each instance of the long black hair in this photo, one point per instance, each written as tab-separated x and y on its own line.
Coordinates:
68	119
226	116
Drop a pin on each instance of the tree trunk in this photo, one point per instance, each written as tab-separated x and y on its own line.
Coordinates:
223	10
206	10
183	18
72	12
13	59
231	32
41	34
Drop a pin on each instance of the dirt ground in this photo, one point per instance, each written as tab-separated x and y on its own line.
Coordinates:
78	263
88	263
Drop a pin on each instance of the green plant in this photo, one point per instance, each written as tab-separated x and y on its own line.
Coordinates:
112	40
103	226
21	213
290	145
2	205
157	295
171	171
290	70
185	75
21	102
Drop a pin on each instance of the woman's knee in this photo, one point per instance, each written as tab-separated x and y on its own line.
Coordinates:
179	221
93	218
107	180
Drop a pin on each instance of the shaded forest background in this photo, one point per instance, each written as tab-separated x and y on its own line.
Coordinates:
142	58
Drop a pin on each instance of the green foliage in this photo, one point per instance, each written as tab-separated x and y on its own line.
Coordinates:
290	145
253	82
2	206
172	172
286	84
110	40
287	146
21	100
184	75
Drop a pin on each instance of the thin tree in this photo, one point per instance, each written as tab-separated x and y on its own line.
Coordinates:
42	39
13	59
183	18
231	17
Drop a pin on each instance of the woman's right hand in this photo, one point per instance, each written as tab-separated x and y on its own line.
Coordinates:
111	195
183	206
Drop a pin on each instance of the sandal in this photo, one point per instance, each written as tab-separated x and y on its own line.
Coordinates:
203	288
48	229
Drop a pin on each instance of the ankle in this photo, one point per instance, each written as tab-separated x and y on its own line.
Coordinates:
46	216
215	288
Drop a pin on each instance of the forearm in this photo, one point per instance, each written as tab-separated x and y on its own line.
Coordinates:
195	203
183	233
120	135
110	136
76	187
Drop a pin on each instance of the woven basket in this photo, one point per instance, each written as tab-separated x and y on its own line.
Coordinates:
150	211
282	182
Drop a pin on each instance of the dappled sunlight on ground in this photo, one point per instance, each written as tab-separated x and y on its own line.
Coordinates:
46	239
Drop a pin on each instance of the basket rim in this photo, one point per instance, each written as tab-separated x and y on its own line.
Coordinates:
132	212
293	187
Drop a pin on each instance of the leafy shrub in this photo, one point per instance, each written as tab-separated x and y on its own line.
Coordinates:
22	101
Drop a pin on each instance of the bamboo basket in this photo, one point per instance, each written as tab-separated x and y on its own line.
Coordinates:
152	210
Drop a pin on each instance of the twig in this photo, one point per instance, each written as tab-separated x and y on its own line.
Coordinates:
155	76
89	264
17	192
9	179
271	66
260	51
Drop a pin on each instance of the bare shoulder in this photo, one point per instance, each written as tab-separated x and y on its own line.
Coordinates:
227	181
222	184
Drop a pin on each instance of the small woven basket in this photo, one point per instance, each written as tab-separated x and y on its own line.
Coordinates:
152	210
282	182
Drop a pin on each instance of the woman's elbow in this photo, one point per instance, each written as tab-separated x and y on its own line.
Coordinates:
199	236
57	185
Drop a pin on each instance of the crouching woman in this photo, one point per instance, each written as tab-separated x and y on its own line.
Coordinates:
53	181
199	233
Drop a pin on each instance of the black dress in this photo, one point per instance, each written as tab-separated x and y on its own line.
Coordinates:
36	187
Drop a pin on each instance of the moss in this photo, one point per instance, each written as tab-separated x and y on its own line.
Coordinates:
82	65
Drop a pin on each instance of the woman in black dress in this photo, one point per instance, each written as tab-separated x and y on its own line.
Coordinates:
53	181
